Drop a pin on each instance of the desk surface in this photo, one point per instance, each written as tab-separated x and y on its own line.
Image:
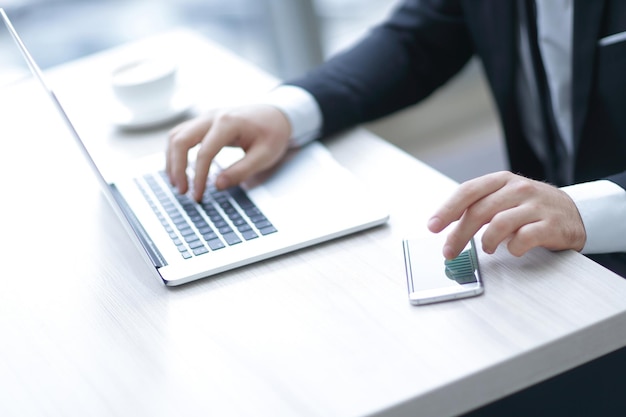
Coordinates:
327	331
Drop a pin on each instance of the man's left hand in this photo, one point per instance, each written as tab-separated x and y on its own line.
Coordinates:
524	212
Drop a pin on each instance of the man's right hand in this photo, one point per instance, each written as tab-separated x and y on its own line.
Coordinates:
262	131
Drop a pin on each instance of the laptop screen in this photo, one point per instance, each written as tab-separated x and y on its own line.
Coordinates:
14	67
22	69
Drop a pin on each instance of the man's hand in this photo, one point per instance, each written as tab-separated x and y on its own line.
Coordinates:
525	212
262	131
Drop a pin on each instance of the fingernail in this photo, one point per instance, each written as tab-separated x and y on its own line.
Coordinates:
221	182
434	224
448	252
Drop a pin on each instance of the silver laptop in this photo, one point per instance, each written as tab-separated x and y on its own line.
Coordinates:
309	198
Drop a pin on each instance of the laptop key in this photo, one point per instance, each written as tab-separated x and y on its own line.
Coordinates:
196	244
257	218
215	244
267	230
231	238
241	198
239	221
244	227
209	235
205	229
219	224
225	229
262	224
191	238
249	234
200	251
186	231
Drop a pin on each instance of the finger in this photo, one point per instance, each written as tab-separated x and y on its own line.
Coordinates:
257	159
176	163
168	150
181	140
172	136
546	234
475	217
223	132
506	224
467	194
529	236
174	131
458	238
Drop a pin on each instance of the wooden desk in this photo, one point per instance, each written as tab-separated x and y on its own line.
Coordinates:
85	329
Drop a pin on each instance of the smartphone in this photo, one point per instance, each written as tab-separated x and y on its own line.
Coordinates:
431	278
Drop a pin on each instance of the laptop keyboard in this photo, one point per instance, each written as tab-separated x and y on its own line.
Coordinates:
223	218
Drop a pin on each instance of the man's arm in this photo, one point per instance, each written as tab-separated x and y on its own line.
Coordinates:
416	50
301	109
525	214
601	204
602	208
420	47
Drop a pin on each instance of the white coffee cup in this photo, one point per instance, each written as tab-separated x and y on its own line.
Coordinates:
145	85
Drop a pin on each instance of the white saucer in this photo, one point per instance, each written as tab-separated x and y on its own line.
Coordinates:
125	118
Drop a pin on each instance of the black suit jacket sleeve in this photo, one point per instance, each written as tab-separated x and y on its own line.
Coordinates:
417	49
619	179
425	42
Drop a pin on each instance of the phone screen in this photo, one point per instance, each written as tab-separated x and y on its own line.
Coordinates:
432	278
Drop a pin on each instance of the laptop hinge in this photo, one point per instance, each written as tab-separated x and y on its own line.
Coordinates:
155	256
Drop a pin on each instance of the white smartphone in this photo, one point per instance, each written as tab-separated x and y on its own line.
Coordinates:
431	278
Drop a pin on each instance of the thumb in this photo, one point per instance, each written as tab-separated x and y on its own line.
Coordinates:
256	159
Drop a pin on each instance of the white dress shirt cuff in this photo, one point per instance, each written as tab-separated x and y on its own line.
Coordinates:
602	207
301	110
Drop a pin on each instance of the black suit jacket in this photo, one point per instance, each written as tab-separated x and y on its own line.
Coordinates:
425	42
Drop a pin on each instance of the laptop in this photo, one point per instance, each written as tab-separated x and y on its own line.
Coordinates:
307	199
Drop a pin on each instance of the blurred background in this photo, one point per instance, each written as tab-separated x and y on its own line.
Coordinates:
455	130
